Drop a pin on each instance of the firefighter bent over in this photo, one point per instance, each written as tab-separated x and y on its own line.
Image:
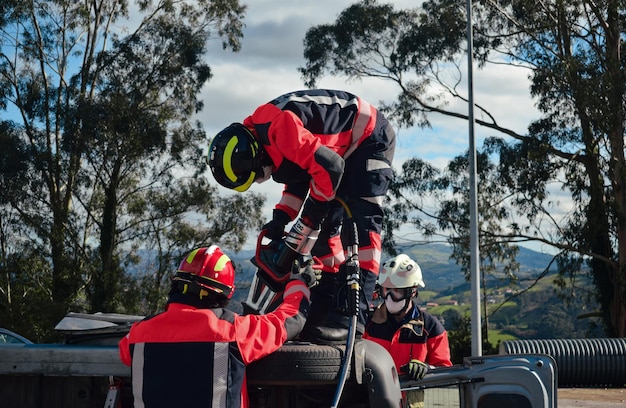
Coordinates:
321	144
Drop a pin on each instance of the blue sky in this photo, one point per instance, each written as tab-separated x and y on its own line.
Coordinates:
272	52
267	67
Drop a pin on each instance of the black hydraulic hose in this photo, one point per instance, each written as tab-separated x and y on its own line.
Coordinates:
353	282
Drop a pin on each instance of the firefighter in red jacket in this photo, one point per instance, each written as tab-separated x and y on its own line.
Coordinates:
194	353
415	339
321	144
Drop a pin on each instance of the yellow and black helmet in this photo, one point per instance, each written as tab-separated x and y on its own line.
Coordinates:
235	157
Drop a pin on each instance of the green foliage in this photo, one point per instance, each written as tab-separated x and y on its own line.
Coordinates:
25	282
460	340
571	51
102	156
13	164
527	312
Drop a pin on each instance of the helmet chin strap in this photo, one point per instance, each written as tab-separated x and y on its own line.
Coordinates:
267	173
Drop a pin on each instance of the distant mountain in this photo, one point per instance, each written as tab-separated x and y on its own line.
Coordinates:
534	314
440	272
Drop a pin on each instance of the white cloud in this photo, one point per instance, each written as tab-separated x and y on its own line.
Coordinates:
267	66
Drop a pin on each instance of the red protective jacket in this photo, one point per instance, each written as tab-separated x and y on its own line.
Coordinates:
308	135
189	357
418	336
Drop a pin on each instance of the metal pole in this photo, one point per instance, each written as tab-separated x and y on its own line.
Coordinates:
473	239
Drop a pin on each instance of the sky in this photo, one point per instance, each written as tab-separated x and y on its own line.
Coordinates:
267	66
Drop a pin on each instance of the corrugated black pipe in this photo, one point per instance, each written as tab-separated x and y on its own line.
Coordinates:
580	362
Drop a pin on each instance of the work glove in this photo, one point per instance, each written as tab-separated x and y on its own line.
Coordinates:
314	212
305	272
417	369
275	229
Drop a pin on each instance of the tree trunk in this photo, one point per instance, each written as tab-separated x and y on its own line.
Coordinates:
107	282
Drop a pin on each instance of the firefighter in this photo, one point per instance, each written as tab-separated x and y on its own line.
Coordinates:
415	339
321	144
195	352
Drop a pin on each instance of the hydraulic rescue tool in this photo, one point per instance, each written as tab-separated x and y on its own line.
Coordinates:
274	261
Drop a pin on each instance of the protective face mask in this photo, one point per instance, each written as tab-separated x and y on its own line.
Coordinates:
394	307
267	172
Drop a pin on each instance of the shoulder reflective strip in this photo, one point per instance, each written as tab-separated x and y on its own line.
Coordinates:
220	374
366	111
319	99
366	114
228	156
137	374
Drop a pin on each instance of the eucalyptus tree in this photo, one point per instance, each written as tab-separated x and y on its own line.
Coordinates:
572	53
99	99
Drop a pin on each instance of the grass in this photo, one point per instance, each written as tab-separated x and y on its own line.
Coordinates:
496	336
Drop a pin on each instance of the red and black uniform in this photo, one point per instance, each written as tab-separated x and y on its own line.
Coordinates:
419	336
190	357
329	144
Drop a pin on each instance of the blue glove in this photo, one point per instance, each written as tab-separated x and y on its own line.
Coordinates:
417	369
314	212
275	229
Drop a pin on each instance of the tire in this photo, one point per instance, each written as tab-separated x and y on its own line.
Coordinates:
297	364
304	375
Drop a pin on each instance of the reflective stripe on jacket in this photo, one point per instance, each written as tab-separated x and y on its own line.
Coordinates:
189	357
419	336
309	133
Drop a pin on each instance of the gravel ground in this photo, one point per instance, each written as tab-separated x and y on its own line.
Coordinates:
566	397
591	397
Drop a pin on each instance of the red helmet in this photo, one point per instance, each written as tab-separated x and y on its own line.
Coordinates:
210	269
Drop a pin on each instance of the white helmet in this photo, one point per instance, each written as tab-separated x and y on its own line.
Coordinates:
401	272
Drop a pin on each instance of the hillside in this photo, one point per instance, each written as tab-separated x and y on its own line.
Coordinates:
441	274
523	310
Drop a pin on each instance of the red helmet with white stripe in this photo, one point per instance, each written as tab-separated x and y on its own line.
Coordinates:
210	269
